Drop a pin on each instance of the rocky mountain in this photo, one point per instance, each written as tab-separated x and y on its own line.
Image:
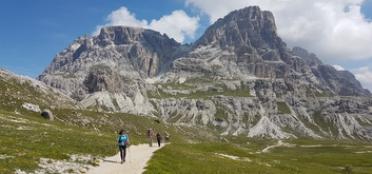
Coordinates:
108	70
239	78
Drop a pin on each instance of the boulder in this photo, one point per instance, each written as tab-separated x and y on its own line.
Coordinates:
31	107
47	114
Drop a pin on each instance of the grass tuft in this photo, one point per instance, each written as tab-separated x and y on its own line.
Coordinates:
283	108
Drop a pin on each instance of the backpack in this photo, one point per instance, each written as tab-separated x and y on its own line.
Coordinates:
123	140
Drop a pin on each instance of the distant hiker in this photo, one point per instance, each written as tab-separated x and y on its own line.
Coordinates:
123	143
158	138
150	135
167	136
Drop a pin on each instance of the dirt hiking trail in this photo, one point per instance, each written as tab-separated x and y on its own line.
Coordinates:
136	161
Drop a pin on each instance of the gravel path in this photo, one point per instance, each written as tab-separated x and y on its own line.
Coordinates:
136	161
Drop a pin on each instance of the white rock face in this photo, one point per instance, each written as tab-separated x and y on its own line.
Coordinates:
118	102
31	107
266	128
188	111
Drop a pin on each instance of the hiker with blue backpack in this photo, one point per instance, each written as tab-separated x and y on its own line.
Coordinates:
123	143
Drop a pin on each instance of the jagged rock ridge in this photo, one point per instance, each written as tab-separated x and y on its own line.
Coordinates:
239	77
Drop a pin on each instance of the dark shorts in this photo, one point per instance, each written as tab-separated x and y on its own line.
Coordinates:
121	147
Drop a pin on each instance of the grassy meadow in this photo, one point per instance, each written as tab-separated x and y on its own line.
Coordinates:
303	157
27	137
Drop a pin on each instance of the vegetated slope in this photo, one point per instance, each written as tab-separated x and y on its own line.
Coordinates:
238	155
27	139
239	77
16	91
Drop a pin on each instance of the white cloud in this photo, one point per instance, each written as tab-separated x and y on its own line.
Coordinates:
364	75
338	67
334	29
123	16
177	25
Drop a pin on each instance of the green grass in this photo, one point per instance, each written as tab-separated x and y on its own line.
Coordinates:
27	137
283	108
198	158
160	94
324	124
176	85
191	84
35	138
13	94
221	114
315	93
241	92
199	80
333	157
248	120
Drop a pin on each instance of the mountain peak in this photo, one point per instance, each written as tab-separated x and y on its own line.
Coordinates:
245	27
124	35
253	13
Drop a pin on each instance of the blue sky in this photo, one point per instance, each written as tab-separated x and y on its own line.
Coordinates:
367	8
33	32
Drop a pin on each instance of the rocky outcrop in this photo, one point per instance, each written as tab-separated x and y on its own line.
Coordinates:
31	107
340	82
310	58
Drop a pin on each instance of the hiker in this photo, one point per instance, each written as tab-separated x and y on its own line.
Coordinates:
167	137
150	135
123	143
158	138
